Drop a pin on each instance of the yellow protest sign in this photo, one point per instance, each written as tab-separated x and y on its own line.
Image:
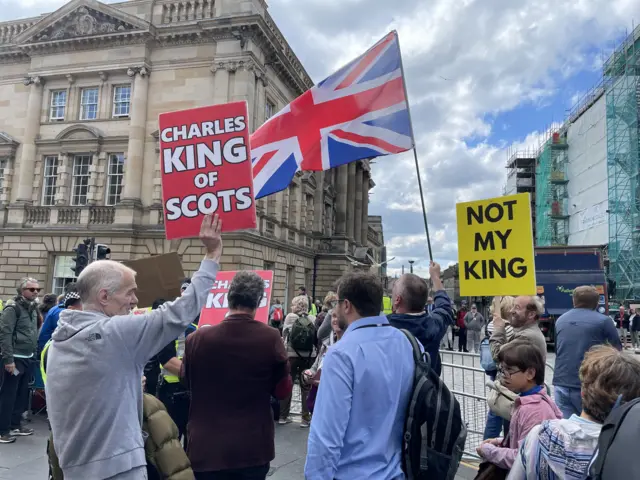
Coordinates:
495	247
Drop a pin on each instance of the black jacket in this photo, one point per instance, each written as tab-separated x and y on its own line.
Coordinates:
428	329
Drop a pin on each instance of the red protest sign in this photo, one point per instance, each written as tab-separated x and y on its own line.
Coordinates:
217	307
206	168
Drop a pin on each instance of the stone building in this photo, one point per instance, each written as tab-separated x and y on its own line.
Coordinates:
451	282
80	94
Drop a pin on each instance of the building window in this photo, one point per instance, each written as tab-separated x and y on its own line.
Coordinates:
58	104
269	109
62	273
49	180
115	178
121	100
89	104
270	266
3	165
80	179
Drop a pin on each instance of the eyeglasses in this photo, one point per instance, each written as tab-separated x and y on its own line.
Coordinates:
33	290
507	373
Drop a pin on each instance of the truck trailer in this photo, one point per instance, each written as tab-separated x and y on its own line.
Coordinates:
559	270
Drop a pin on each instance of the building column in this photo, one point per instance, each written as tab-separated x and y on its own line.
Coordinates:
351	199
341	209
261	99
244	88
27	160
365	209
132	188
220	71
318	203
358	207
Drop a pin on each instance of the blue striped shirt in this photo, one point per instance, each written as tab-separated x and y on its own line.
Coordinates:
358	420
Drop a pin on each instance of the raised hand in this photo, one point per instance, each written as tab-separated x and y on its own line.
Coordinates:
211	237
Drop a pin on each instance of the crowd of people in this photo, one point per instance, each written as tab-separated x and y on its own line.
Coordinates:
530	435
154	396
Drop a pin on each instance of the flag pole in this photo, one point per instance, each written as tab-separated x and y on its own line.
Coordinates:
415	151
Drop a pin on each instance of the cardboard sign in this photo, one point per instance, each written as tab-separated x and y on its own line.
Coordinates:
495	247
217	306
157	277
206	168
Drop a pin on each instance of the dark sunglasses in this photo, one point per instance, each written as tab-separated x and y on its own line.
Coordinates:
33	290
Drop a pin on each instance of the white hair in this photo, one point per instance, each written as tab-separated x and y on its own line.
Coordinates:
101	275
536	303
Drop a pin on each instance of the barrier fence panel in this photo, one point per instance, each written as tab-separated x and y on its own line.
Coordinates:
466	379
464	376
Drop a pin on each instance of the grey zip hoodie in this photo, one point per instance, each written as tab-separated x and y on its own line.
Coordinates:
94	380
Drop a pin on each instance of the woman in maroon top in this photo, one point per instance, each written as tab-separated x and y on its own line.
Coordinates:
232	370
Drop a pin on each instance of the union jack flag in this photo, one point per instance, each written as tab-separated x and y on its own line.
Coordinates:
358	112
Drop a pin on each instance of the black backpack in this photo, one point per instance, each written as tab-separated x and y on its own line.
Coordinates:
615	456
434	432
303	337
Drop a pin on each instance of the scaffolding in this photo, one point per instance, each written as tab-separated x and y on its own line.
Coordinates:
621	73
522	166
552	212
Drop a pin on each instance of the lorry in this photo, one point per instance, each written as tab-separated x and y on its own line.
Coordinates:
559	270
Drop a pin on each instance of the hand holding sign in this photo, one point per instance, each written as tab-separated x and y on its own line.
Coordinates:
435	275
211	237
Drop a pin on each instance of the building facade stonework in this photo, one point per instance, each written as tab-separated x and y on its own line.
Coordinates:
80	94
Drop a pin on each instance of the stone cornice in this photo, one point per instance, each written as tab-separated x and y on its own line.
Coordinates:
256	28
8	145
246	61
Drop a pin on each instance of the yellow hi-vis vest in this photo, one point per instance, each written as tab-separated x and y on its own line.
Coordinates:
180	345
386	305
43	361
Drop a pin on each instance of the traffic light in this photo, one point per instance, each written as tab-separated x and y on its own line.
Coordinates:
102	252
81	258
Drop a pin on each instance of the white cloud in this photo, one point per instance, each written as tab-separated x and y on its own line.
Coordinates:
466	61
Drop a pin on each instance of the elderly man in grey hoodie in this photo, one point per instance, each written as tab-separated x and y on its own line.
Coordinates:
96	360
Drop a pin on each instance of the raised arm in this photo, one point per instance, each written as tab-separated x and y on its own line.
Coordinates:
442	313
145	335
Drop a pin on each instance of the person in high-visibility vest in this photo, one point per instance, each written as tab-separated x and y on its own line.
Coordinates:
171	392
387	308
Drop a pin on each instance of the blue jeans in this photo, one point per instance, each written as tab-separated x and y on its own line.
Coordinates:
569	400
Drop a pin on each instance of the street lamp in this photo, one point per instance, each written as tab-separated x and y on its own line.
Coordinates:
411	262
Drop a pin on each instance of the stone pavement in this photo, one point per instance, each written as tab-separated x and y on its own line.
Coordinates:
26	459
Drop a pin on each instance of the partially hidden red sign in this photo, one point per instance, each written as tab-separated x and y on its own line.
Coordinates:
205	161
217	305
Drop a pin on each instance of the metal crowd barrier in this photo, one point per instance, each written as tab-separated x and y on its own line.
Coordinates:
466	379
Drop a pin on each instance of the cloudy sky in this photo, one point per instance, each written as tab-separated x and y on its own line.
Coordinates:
484	77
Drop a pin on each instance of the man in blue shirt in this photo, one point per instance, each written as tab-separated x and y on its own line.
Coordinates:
577	331
51	320
367	379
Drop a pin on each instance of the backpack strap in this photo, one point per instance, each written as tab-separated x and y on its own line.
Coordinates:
418	355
